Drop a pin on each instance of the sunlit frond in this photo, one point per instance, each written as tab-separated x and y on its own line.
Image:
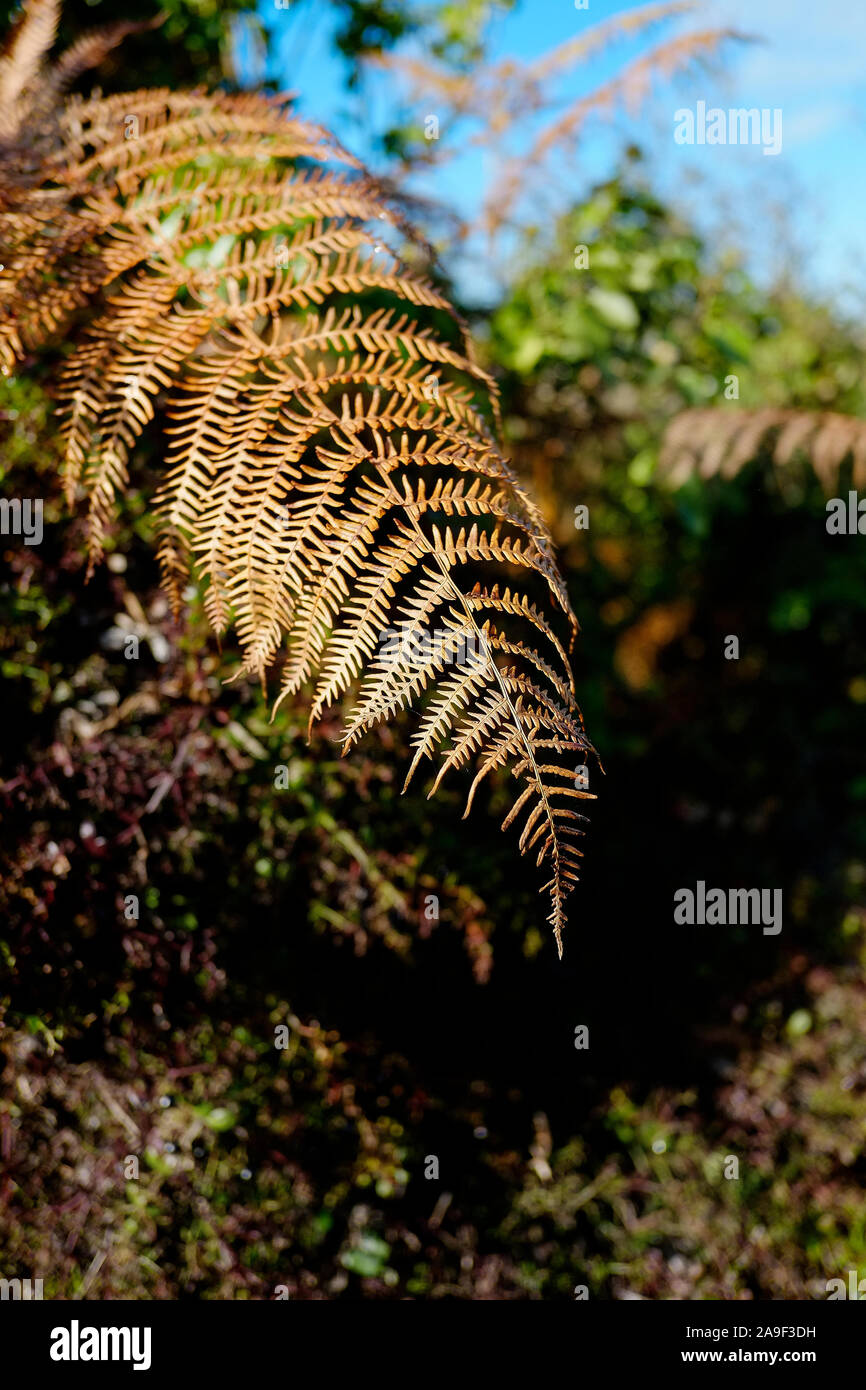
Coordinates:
333	474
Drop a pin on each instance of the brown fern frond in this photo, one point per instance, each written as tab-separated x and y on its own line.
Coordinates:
493	104
333	475
93	48
630	88
22	57
506	91
709	442
29	86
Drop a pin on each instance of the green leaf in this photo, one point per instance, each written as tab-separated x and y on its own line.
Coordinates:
617	309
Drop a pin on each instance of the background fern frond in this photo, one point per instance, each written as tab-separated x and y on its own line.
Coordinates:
710	441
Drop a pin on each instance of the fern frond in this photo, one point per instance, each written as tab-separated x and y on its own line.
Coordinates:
333	473
29	86
631	88
493	104
710	442
22	57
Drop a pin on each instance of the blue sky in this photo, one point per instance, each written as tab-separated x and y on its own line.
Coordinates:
805	204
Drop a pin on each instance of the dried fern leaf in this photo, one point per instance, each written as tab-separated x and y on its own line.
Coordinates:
707	442
333	476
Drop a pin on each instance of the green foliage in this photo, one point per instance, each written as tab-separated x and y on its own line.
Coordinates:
588	403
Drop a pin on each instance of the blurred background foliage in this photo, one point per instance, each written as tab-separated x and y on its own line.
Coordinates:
196	42
302	908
